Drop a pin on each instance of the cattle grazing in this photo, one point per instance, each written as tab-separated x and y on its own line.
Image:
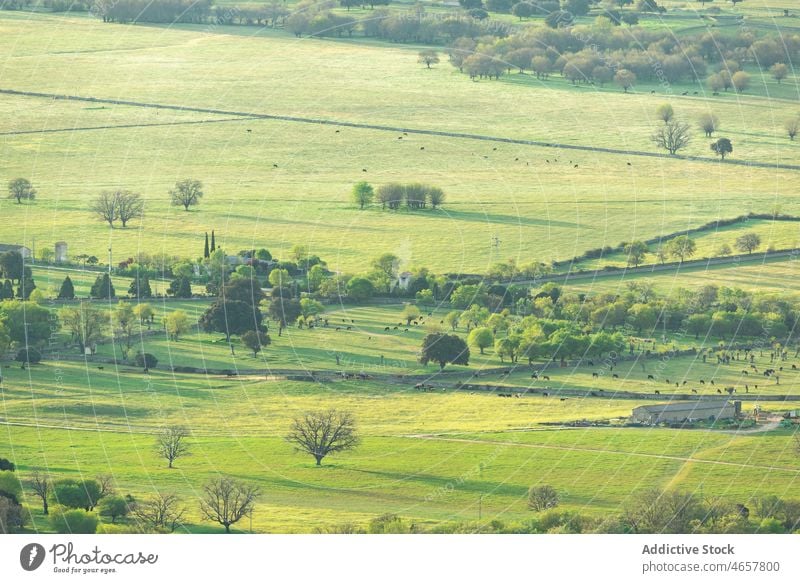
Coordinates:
702	382
794	367
545	377
535	376
349	327
101	368
718	391
545	394
694	391
745	372
595	375
651	377
615	376
712	381
406	330
563	399
591	363
338	328
386	329
658	392
684	383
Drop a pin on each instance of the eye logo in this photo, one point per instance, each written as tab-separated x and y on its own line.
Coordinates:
31	556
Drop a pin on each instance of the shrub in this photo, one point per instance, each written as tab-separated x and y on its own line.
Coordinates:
29	356
66	521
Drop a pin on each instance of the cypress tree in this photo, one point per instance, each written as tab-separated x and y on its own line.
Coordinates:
7	291
206	253
103	288
140	287
67	291
26	286
213	242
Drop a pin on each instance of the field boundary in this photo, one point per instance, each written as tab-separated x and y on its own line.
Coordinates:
401	129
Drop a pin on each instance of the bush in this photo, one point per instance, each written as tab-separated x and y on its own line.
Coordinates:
542	498
12	516
6	465
29	356
387	524
146	360
66	521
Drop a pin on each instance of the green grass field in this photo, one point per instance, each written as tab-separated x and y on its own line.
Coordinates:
430	457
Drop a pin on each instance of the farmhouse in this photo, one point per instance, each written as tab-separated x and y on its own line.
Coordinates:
686	411
24	251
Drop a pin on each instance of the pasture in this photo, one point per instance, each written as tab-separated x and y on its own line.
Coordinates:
284	183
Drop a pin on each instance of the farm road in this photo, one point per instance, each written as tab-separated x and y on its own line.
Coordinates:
399	129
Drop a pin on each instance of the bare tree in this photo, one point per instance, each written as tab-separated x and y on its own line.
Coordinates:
321	433
41	486
105	206
106	485
227	501
428	58
792	127
171	444
129	206
160	512
672	136
709	123
542	498
187	193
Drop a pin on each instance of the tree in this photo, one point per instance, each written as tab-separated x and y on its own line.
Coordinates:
21	188
681	247
542	498
227	501
42	487
635	251
576	7
435	196
779	71
792	126
363	194
186	193
145	360
176	324
673	136
410	312
481	337
27	324
385	270
523	10
255	340
140	286
28	356
722	147
657	511
171	444
468	4
67	291
279	277
180	287
665	113
740	81
160	513
698	324
145	313
125	325
244	289
444	349
428	58
12	265
72	493
322	433
7	465
284	310
359	289
103	288
748	242
105	207
625	79
232	317
115	507
709	123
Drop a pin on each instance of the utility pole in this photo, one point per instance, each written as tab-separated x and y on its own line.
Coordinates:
109	260
480	506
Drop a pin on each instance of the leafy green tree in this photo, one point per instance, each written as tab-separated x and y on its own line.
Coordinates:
360	289
682	247
444	349
146	361
624	78
235	317
279	277
187	193
12	265
28	356
255	340
665	113
635	251
541	498
481	337
84	322
722	147
709	123
176	324
140	287
114	507
748	242
698	324
410	312
428	57
508	347
180	288
28	324
67	291
284	310
21	189
103	288
452	318
73	493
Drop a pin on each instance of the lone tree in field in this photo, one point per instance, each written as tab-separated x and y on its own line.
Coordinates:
428	58
321	433
625	79
792	126
741	81
187	193
481	337
160	513
636	250
722	147
748	242
542	498
673	136
444	349
255	340
227	501
363	193
709	123
67	291
779	72
665	112
21	188
172	445
124	205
